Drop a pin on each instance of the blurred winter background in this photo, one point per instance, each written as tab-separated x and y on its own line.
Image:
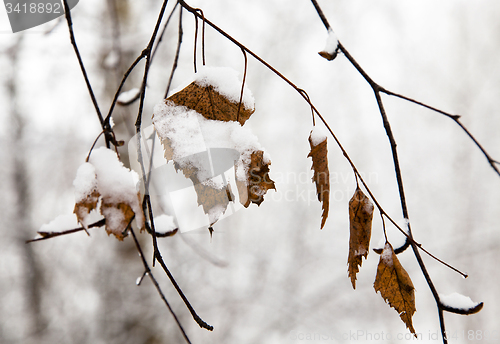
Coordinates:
269	275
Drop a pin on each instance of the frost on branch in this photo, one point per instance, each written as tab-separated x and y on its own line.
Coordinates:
104	179
321	177
458	303
201	125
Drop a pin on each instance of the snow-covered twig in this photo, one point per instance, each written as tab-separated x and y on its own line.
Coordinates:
47	235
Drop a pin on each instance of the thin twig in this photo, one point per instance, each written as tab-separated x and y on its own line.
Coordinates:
125	77
146	202
177	53
160	37
377	89
82	67
134	64
147	52
196	317
48	235
195	40
147	271
242	84
306	98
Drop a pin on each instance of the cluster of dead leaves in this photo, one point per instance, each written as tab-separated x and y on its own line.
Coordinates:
212	105
118	211
392	281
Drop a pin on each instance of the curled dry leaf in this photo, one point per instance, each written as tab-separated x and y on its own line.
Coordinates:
321	177
85	206
118	216
395	286
258	180
360	223
213	200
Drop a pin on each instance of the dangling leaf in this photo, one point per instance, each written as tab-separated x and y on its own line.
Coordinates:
321	177
360	221
257	182
395	286
118	216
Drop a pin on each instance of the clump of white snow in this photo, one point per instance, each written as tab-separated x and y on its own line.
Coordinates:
164	223
331	42
128	96
457	301
188	133
368	207
386	255
85	181
318	135
61	223
225	81
112	59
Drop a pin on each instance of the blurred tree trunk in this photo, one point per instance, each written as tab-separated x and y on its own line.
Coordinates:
22	207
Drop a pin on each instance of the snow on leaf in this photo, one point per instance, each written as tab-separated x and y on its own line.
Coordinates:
201	131
86	194
360	223
395	286
257	182
215	94
118	216
105	178
321	177
460	304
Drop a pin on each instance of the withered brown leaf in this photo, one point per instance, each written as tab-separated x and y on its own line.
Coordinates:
118	216
85	206
360	223
321	177
327	55
395	286
258	180
104	178
211	104
209	197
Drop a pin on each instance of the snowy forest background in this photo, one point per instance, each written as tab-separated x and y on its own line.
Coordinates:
269	271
